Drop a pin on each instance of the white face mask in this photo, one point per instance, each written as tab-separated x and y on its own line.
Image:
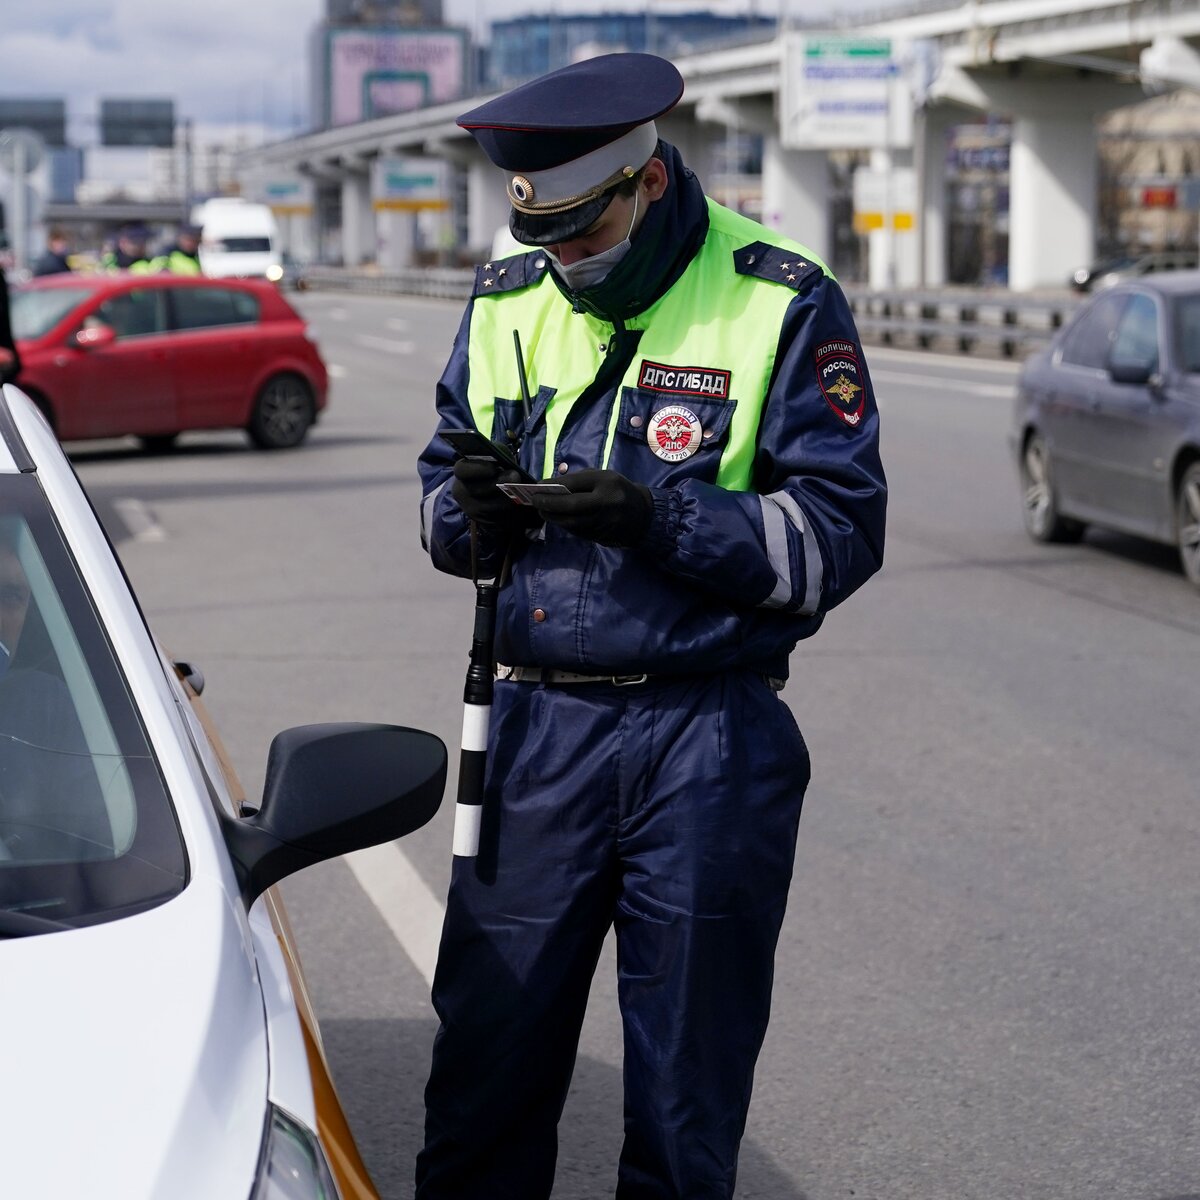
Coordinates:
588	272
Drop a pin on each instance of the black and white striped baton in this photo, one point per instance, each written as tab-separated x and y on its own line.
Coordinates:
477	711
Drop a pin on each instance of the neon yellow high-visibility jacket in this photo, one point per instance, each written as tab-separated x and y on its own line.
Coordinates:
720	366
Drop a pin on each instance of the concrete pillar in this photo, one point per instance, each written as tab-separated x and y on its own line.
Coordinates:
303	235
932	126
358	219
893	255
1052	166
795	187
487	205
396	241
1052	198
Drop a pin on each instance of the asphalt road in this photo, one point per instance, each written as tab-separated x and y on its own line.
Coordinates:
987	981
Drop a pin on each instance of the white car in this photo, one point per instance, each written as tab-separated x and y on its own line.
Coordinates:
158	1043
238	238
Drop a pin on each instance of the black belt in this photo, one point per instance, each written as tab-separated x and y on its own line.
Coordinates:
557	677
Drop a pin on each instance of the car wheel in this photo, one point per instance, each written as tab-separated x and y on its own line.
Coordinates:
282	413
1043	521
1187	522
158	443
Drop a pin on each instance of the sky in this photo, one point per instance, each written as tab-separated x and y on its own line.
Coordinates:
230	62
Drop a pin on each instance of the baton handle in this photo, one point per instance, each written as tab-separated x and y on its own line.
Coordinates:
477	709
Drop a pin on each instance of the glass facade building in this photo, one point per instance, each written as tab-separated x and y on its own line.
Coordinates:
524	47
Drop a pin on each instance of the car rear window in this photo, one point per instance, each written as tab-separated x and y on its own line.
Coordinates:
202	307
87	832
36	311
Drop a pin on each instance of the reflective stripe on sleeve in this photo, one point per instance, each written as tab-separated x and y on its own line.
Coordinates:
780	510
427	513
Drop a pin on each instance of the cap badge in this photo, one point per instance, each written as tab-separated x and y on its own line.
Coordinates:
674	433
522	189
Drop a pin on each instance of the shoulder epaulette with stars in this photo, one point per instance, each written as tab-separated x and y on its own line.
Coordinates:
765	261
508	274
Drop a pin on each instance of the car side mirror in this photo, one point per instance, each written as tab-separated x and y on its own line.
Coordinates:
1131	372
95	337
330	790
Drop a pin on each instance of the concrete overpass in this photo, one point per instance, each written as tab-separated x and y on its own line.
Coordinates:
1051	66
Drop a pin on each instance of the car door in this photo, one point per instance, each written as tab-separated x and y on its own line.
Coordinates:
1078	371
1135	424
212	352
129	386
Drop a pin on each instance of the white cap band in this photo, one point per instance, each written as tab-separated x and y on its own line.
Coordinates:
578	180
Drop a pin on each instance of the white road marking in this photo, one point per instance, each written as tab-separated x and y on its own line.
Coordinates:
334	371
962	386
139	520
404	900
337	314
378	343
399	324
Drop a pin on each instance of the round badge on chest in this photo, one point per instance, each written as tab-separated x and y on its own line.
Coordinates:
674	433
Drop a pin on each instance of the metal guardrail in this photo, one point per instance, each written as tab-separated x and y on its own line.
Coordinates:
445	283
964	320
961	319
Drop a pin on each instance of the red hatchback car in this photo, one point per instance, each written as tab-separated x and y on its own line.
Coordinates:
154	355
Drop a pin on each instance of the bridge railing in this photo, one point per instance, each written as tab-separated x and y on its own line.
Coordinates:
954	320
962	320
445	283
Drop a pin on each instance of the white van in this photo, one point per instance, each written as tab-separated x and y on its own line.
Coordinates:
238	238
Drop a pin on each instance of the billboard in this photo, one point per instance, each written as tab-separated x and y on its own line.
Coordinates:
410	185
47	118
378	72
287	195
137	122
845	93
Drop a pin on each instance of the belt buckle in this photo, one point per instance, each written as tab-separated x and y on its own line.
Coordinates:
629	680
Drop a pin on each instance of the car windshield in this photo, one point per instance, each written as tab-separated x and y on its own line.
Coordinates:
35	311
240	245
87	833
1187	336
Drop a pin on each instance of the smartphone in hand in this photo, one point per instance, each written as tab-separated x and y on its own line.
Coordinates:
523	493
470	443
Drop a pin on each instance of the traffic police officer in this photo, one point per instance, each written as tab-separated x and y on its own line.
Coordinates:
183	257
130	253
698	389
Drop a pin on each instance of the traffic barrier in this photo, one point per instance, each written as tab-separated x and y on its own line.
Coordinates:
962	320
965	320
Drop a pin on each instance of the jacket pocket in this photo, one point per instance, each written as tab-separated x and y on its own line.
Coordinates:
523	437
662	441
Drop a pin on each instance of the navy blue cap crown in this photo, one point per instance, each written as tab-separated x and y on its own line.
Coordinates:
570	112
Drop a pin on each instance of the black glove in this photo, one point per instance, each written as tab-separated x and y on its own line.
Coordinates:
475	492
603	507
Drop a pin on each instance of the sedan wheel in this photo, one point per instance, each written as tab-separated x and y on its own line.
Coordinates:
1043	521
282	413
1188	523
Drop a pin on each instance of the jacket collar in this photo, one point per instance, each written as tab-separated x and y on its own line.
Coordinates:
673	231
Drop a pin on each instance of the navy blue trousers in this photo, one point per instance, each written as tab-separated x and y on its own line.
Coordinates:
669	810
